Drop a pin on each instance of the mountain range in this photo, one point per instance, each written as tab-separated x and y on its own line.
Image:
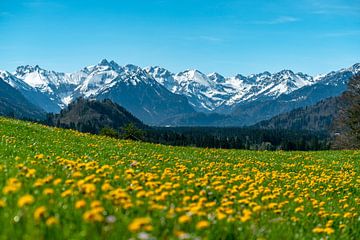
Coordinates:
159	97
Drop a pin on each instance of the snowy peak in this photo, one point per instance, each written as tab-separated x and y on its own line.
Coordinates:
105	75
159	73
340	77
216	77
292	80
104	62
4	74
355	69
193	76
163	76
45	80
14	81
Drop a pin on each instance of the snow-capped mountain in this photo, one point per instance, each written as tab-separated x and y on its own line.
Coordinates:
129	85
133	88
32	94
328	85
14	81
155	94
102	77
209	92
57	86
12	101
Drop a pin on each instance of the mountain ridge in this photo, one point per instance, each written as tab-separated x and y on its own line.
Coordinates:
155	94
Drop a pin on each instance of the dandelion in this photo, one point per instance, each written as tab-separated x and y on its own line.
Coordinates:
80	204
329	230
93	215
2	203
318	230
66	193
39	156
25	200
39	213
48	191
106	187
51	221
57	181
77	175
140	223
220	215
299	209
95	204
202	225
184	219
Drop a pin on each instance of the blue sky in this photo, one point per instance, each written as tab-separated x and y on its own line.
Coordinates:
312	36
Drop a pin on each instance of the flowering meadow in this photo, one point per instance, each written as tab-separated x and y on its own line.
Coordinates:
62	184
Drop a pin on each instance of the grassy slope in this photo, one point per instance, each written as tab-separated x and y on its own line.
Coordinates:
145	176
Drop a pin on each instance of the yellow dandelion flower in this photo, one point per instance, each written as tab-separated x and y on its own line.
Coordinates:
318	230
106	187
39	156
39	213
329	223
93	216
202	224
57	181
220	215
2	203
25	200
77	174
80	204
299	209
9	189
184	219
66	193
245	218
48	191
51	221
30	173
95	204
329	230
138	224
256	208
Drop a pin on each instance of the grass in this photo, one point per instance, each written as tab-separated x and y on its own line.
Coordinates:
61	184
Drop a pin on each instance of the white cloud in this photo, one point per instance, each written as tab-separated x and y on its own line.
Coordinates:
42	4
322	7
278	20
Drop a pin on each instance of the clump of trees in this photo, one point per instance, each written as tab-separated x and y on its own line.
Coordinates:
129	131
109	132
347	126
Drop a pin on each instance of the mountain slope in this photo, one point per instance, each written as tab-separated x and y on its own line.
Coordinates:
14	104
92	115
318	117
